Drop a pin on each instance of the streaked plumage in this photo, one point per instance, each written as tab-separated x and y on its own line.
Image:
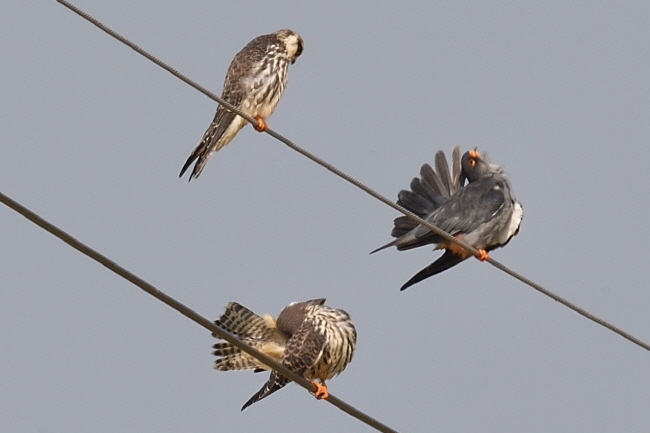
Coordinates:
258	332
254	83
484	213
309	338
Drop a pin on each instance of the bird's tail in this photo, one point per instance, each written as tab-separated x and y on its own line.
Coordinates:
200	154
275	382
446	261
258	332
221	131
428	192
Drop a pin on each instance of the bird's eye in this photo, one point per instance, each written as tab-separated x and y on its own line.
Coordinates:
472	162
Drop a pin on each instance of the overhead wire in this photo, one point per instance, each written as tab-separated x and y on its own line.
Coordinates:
187	312
357	183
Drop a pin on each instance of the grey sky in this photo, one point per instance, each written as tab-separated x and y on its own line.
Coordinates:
94	136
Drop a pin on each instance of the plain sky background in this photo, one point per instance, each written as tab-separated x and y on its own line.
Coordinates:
93	138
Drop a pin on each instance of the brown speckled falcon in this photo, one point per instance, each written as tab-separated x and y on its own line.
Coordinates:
309	338
254	83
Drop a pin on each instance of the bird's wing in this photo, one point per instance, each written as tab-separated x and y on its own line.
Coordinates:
234	93
303	350
477	203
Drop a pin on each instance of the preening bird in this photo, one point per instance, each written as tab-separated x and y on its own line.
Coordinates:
484	213
309	338
254	83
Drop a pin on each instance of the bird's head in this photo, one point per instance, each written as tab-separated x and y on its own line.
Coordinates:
476	165
292	42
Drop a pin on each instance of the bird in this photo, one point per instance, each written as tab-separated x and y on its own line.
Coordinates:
309	338
254	83
484	213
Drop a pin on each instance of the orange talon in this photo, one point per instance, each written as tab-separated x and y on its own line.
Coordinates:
482	255
261	124
321	390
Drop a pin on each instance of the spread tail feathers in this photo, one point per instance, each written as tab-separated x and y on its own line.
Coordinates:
242	322
428	193
256	331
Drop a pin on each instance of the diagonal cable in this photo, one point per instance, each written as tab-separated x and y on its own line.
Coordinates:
356	183
186	311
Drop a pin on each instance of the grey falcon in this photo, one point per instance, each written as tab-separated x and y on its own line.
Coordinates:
484	213
254	83
309	338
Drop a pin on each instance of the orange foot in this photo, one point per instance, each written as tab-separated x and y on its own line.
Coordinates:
321	390
261	124
482	254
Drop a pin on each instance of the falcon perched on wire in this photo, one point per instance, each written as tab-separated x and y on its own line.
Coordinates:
484	213
254	83
309	338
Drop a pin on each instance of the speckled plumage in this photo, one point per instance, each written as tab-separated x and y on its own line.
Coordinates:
258	332
254	83
484	213
319	341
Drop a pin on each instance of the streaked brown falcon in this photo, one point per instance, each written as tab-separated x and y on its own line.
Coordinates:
309	338
254	83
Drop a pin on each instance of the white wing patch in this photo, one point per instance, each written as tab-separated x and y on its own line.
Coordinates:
513	225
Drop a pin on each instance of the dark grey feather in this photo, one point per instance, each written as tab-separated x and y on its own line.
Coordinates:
472	206
444	262
414	200
427	194
443	173
456	171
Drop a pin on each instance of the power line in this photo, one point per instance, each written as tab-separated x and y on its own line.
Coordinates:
269	131
187	311
357	183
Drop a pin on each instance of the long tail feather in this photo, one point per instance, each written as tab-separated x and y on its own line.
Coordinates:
442	169
202	154
456	181
389	244
275	382
446	261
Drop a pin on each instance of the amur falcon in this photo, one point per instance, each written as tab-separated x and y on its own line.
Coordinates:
484	213
309	338
254	83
